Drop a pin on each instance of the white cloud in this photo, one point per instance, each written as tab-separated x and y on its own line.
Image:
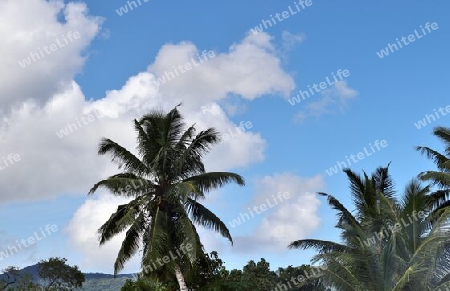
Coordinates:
71	163
332	99
250	69
24	33
37	105
344	92
284	221
290	40
83	235
293	218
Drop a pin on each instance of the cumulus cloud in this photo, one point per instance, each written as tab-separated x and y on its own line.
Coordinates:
27	27
48	121
283	220
250	69
71	164
292	219
83	235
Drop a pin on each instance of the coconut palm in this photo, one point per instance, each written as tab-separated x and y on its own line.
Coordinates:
440	178
388	243
165	182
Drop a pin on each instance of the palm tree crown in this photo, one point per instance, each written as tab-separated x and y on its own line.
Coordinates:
389	243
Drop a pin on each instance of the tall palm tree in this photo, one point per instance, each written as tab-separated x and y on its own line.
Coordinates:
440	178
166	181
388	243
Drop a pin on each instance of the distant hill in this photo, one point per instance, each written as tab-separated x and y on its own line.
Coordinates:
94	281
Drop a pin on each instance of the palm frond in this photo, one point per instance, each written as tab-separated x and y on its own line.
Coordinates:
204	217
125	184
123	218
122	157
213	180
440	179
131	243
320	245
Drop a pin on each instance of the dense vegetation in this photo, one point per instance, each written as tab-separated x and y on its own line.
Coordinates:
389	241
211	275
51	274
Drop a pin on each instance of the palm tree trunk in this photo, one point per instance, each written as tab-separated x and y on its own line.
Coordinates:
180	278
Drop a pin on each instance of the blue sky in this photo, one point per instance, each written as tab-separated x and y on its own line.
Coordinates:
112	70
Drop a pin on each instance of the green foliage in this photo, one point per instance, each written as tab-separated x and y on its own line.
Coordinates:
143	284
166	182
211	275
57	275
303	278
388	243
259	275
441	177
15	281
102	284
11	275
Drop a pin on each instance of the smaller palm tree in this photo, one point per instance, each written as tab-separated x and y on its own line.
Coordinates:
440	178
165	207
389	243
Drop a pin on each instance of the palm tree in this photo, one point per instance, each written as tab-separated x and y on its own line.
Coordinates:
388	243
440	178
169	180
